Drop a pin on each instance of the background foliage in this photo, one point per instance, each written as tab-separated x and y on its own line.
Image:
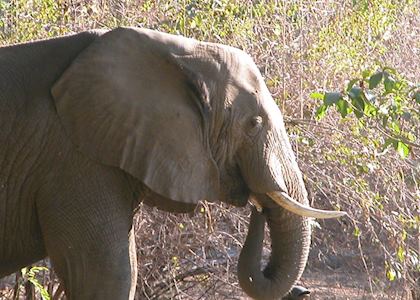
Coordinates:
308	51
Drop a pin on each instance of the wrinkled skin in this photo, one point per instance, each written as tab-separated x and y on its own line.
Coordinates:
93	123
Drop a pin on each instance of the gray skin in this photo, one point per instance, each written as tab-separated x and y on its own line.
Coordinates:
94	123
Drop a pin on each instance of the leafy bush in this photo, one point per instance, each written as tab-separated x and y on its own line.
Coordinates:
385	110
390	109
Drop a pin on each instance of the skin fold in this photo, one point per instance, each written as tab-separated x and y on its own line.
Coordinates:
92	124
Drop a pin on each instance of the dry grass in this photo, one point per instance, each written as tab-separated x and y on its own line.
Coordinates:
300	46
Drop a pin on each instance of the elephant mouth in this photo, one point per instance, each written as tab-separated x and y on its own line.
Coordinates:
239	198
233	188
290	204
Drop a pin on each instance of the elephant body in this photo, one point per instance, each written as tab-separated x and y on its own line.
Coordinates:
44	178
92	124
28	156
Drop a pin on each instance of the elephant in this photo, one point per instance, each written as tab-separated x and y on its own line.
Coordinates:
94	123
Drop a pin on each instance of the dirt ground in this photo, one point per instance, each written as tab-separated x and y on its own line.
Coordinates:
343	277
340	285
334	271
325	284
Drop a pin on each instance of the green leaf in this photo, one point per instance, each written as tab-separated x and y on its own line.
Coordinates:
417	97
343	107
395	127
317	95
31	276
34	270
401	254
355	92
357	101
403	235
331	98
369	110
320	112
391	274
368	99
369	96
38	286
390	70
362	169
402	149
389	142
351	84
411	137
356	232
366	73
406	116
389	84
375	79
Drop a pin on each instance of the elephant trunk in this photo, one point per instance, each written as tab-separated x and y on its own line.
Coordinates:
290	239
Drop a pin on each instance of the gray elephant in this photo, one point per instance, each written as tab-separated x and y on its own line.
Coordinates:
92	124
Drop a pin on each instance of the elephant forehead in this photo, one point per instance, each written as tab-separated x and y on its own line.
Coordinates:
248	76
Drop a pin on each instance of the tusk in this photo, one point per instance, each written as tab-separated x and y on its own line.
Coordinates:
287	202
255	202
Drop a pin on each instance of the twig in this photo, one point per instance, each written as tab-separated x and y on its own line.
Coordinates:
165	286
295	121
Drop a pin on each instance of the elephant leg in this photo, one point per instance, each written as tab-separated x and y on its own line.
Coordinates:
87	237
93	265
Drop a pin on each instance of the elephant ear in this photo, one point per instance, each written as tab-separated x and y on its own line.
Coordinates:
127	102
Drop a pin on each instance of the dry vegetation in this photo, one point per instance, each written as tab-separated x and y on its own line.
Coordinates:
300	46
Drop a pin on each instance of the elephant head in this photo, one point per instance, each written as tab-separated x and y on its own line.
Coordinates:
193	121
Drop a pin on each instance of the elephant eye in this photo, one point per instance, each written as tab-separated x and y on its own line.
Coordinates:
255	125
256	121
